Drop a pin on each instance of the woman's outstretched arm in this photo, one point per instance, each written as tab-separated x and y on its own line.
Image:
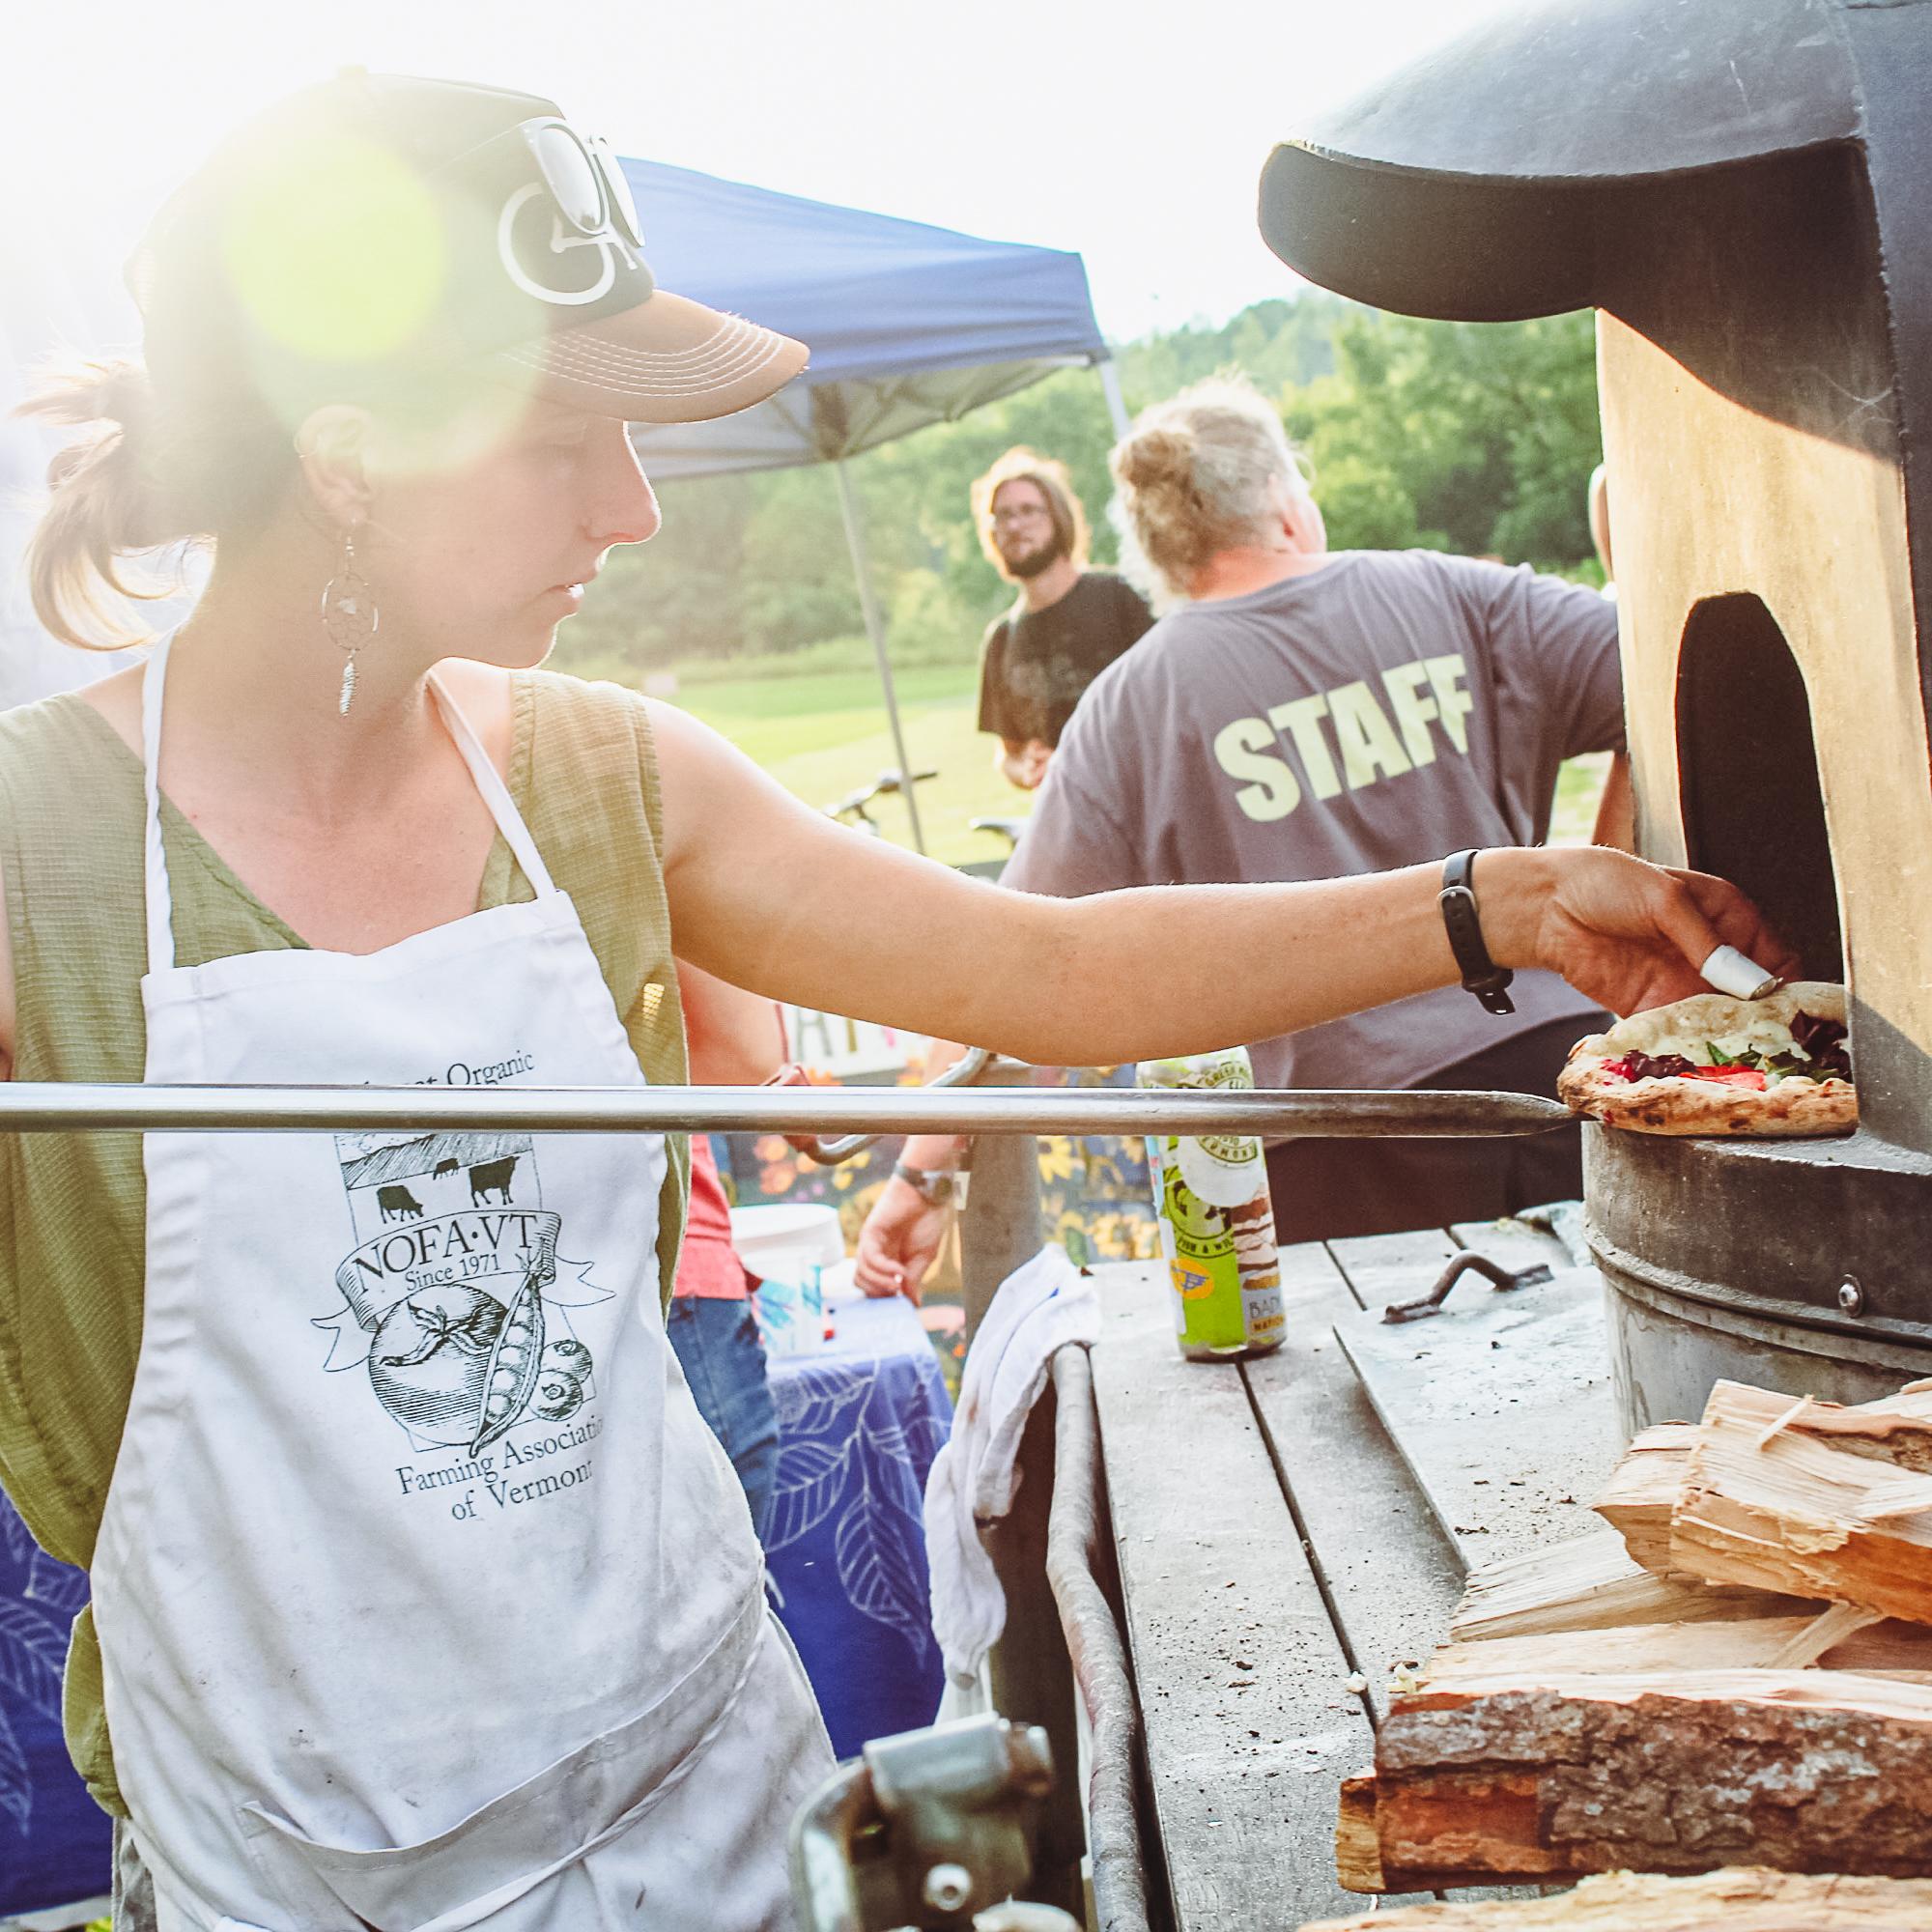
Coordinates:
769	895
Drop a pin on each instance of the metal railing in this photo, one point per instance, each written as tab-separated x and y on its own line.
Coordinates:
1074	1546
67	1106
963	1072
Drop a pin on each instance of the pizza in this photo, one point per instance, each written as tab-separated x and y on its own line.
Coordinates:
1712	1065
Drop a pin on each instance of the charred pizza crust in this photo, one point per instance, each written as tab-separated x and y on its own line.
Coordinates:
1681	1105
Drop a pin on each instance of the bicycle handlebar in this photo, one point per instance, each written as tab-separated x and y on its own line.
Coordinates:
889	783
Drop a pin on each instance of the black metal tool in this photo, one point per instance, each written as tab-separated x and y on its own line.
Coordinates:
1466	1262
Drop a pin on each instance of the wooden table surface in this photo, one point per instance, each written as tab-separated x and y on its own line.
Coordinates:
1281	1529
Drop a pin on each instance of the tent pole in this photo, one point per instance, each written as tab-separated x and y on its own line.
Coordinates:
875	629
1117	408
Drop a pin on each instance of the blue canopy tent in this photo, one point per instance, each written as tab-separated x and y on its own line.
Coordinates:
908	325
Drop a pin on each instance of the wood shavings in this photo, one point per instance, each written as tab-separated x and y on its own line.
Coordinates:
1782	1423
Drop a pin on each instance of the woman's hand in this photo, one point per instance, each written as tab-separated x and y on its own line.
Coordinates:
899	1242
1629	934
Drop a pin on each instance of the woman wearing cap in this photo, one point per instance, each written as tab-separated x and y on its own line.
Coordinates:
421	1597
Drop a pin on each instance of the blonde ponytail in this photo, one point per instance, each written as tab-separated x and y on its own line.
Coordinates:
139	479
100	506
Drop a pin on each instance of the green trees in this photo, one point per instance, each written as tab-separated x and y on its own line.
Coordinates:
1473	436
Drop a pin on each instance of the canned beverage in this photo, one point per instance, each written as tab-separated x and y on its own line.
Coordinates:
1210	1199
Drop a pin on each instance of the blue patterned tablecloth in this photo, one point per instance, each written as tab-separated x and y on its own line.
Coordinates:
54	1838
859	1425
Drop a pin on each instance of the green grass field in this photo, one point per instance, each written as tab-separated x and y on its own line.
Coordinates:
823	734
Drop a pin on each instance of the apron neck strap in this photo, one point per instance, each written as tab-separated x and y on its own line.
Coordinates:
160	901
160	897
496	793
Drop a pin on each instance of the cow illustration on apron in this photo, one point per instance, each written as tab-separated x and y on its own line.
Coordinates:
426	1600
451	1299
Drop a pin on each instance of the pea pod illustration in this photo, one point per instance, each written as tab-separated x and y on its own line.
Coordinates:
513	1368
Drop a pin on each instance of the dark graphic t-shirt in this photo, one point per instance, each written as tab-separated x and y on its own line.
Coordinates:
1384	710
1035	664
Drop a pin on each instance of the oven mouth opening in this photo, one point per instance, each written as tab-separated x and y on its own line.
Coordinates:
1748	787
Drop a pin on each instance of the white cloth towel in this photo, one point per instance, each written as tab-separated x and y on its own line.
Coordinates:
1040	1307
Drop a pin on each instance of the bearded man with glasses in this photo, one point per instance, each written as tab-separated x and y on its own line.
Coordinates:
1068	624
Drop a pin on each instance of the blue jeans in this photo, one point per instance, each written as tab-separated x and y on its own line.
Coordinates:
716	1343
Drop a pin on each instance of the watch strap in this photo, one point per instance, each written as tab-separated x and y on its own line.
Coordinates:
933	1186
1462	919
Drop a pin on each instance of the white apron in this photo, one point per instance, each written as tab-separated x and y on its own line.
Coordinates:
426	1601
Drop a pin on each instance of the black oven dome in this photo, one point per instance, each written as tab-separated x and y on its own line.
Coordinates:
1743	189
1468	186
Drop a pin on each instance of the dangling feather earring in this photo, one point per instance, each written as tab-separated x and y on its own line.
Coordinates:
349	616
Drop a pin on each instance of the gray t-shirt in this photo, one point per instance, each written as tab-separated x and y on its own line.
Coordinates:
1387	709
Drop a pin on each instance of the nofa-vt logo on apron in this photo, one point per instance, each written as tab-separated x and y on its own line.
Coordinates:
452	1295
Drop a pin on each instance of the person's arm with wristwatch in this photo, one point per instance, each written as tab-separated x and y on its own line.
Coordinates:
902	1233
909	1222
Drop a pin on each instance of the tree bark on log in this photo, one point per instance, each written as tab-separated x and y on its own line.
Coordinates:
1731	1900
1814	1771
1896	1429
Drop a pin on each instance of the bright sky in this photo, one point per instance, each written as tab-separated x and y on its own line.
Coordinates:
1133	132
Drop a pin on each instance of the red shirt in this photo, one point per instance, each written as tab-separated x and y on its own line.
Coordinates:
706	1265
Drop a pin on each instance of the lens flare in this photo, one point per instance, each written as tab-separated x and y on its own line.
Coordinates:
345	274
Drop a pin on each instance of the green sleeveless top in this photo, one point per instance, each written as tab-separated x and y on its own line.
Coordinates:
583	775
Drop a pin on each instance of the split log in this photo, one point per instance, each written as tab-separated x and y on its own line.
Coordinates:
1589	1583
1775	1499
1644	1490
1683	1772
1358	1858
1733	1901
1843	1639
1830	1638
1896	1429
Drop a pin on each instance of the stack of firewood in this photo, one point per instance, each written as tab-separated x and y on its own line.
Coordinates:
1738	1672
1723	1901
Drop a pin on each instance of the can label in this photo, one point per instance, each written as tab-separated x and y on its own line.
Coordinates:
1216	1221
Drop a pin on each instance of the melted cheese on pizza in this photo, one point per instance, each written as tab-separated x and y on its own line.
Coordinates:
1766	1037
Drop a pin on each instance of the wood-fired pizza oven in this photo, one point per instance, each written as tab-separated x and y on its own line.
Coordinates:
1742	191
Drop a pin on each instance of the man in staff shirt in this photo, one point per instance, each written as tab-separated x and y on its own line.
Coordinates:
1307	715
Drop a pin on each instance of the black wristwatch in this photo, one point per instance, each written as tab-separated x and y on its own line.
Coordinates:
932	1184
1481	975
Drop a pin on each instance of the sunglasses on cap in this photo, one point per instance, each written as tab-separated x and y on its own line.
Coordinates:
580	183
